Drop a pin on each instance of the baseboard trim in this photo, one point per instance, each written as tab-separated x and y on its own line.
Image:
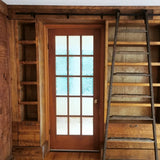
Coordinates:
44	149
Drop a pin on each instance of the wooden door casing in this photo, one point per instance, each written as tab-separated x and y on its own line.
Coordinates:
84	142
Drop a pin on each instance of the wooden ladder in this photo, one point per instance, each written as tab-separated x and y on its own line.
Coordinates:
151	96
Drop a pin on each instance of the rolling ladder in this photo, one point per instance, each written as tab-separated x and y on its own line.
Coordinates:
151	96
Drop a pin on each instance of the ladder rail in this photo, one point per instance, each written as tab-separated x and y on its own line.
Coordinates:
151	86
110	87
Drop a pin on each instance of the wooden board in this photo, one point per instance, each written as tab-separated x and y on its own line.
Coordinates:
27	153
72	156
26	134
138	130
5	108
130	154
3	8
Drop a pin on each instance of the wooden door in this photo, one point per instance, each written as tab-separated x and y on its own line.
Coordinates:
74	84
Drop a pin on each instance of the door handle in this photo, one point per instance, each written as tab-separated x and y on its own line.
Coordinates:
95	101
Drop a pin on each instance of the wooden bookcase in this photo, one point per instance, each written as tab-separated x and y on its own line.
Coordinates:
27	70
134	63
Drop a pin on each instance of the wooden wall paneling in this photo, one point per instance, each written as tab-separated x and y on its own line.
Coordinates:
40	36
19	109
130	154
77	10
13	72
5	107
3	8
46	60
27	153
26	134
52	19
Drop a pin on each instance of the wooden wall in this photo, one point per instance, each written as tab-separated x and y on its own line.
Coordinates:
5	108
29	138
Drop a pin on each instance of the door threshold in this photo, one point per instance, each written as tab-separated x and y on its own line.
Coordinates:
73	150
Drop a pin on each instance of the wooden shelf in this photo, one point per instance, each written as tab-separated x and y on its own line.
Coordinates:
27	42
135	84
28	103
134	104
28	62
126	43
134	64
28	83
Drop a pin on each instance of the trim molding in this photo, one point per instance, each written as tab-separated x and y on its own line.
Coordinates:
3	8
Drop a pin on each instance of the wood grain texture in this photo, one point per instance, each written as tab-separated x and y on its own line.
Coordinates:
72	156
5	108
3	8
13	73
27	153
42	86
76	10
26	134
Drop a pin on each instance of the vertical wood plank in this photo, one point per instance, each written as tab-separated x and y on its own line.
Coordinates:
13	71
46	60
5	108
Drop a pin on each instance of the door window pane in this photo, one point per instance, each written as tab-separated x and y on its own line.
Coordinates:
61	45
61	65
61	86
74	66
62	127
74	106
74	86
87	66
87	126
87	106
87	45
74	126
87	86
61	106
74	45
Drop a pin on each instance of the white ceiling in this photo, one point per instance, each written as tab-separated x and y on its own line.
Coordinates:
85	2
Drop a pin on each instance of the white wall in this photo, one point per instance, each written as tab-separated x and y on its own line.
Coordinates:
86	2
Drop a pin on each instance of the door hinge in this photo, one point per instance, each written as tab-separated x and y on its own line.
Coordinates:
48	45
49	131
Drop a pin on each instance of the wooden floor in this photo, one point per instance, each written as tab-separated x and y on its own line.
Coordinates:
72	156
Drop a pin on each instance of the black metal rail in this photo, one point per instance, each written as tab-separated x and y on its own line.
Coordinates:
33	14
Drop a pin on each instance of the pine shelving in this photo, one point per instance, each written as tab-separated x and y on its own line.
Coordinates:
27	69
136	62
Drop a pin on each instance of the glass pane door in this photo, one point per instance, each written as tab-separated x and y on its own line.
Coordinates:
74	84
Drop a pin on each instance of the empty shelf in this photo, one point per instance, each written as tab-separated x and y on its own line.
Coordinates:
133	139
131	95
131	52
130	74
132	31
132	118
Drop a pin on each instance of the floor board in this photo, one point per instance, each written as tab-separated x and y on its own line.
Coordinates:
72	156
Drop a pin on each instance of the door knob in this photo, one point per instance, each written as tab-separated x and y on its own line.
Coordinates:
95	101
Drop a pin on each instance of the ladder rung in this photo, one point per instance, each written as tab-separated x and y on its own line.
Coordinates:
132	118
133	139
132	31
131	52
131	74
131	95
